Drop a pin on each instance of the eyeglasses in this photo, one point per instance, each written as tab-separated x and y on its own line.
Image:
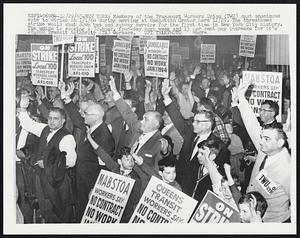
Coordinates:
265	110
198	121
88	114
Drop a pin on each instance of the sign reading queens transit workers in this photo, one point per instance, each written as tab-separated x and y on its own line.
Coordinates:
121	56
157	58
108	198
266	86
81	57
44	65
162	203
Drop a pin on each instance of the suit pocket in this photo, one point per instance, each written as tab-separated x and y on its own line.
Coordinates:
148	155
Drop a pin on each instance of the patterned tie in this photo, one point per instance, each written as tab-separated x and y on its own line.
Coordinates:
262	165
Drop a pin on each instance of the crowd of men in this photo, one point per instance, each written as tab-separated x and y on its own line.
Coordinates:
194	130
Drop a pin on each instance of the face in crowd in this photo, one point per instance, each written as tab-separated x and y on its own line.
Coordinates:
168	174
126	162
266	113
53	92
150	122
201	124
56	120
93	114
245	213
205	83
271	141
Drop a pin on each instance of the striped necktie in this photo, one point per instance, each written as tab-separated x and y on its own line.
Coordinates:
262	165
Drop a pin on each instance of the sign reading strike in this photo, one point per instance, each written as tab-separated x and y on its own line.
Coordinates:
121	56
215	210
208	53
108	199
82	57
267	86
247	45
23	63
162	203
157	58
44	64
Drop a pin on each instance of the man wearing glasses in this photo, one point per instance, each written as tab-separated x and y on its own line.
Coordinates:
189	174
268	112
88	164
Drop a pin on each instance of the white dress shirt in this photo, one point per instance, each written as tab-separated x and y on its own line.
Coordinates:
67	143
144	138
201	138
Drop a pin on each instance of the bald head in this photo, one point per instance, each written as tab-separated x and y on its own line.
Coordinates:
93	114
151	121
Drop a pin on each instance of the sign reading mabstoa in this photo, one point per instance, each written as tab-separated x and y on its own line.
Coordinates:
108	198
121	56
162	203
23	63
44	65
266	86
81	57
214	210
157	58
208	53
247	45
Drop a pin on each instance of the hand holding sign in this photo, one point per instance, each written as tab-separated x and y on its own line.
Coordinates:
197	70
127	76
24	103
112	84
148	87
243	87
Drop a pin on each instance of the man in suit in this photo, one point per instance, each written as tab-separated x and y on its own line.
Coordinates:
88	164
193	135
56	153
144	135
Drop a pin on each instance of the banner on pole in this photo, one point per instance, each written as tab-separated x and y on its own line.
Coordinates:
247	45
267	86
213	209
108	198
143	42
157	58
44	65
121	56
208	53
81	57
23	63
58	39
162	203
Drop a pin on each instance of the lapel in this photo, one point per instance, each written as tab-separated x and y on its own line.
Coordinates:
153	139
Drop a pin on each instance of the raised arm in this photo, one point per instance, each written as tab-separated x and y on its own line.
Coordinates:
173	111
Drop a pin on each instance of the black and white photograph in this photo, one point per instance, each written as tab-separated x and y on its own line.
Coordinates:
118	114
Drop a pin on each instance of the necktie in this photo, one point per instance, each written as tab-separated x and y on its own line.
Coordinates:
138	143
193	154
262	165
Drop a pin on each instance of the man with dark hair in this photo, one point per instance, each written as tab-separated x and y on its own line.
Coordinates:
199	131
272	169
252	207
268	112
56	153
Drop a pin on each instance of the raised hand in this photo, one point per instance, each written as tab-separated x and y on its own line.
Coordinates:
244	84
127	76
61	87
148	87
255	216
234	95
70	89
164	146
165	89
39	93
197	70
172	76
24	102
112	84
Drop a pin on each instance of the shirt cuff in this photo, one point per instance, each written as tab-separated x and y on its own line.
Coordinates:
234	104
127	85
116	96
101	162
67	100
192	76
167	101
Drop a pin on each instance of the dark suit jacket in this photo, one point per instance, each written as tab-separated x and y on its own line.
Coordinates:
187	169
150	151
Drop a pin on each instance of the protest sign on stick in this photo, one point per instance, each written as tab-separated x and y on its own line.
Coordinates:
23	63
162	203
143	42
44	64
81	58
97	51
157	58
108	198
266	86
247	46
121	56
208	53
213	209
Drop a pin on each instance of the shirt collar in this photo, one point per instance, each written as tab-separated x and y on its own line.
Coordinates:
204	136
166	128
272	158
94	127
